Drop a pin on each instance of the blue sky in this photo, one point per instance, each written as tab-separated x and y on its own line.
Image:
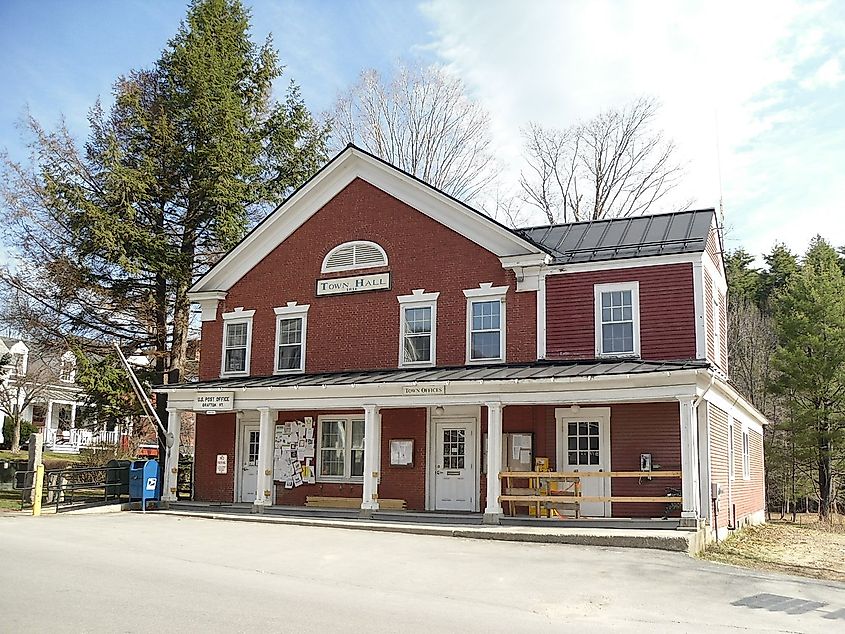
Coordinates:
768	76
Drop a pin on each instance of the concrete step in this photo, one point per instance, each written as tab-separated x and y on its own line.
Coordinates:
593	522
436	519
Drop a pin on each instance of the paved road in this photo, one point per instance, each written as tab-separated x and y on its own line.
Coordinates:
133	573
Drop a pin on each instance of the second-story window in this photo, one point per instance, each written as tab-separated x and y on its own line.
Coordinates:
291	322
486	323
617	320
237	341
418	328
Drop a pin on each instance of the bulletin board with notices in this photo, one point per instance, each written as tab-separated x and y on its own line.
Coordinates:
294	455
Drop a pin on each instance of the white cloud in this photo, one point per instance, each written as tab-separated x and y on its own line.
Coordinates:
736	63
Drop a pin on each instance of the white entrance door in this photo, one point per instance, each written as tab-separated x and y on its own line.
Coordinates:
584	445
454	469
249	463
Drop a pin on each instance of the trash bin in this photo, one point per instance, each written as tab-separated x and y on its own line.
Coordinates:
117	478
143	481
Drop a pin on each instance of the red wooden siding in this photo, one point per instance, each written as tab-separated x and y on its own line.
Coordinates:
361	330
637	428
667	311
747	495
713	249
711	292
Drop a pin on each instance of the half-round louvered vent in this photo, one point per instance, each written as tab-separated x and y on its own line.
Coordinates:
354	255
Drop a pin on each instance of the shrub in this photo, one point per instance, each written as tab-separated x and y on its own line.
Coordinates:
27	428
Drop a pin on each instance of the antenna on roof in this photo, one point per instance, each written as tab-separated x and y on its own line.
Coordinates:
720	214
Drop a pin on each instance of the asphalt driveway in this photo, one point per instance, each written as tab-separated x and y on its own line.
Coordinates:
131	572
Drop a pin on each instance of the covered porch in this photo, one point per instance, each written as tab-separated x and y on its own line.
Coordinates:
410	441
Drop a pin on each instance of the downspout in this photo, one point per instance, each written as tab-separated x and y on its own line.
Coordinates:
731	456
695	403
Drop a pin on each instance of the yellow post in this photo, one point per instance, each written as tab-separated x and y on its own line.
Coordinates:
36	493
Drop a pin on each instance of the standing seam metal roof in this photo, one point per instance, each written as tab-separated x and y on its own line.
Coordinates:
540	370
622	238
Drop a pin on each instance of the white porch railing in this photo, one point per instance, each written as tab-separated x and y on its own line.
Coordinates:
72	440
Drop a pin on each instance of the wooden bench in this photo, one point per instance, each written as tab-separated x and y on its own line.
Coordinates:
385	504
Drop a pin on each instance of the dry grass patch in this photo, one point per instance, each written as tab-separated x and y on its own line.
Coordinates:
806	548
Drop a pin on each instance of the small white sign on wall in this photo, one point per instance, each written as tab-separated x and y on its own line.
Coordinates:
222	463
433	389
214	402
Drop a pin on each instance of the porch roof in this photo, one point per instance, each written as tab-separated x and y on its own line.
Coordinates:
510	372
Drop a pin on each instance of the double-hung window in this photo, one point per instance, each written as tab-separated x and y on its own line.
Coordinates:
237	341
291	328
341	452
617	310
486	323
418	329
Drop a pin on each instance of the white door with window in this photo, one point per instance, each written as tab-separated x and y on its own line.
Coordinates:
455	466
249	463
583	445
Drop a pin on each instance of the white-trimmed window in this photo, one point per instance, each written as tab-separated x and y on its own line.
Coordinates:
731	469
237	342
746	454
67	369
359	254
340	456
617	319
486	323
418	329
291	330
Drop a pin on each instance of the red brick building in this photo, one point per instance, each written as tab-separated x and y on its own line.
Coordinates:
375	340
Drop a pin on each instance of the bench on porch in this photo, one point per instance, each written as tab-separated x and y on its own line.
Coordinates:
385	504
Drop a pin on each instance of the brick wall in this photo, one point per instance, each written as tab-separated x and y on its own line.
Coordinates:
405	483
361	330
214	435
667	311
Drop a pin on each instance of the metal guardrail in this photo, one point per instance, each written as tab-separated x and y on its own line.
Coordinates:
66	486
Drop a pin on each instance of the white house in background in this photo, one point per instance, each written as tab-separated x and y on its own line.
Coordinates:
57	403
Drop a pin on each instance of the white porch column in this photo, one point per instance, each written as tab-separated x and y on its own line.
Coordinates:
690	512
171	464
73	415
264	484
372	448
493	510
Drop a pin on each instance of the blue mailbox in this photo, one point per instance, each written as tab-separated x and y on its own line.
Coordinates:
143	481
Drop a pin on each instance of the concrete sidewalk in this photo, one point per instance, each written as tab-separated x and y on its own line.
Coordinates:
671	540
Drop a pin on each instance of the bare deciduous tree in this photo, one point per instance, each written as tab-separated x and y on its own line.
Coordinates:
614	165
20	387
421	121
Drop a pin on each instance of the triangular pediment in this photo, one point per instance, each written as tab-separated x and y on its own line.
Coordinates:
353	163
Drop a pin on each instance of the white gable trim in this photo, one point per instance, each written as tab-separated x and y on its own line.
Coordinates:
350	164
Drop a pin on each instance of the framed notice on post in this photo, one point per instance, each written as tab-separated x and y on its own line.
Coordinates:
402	452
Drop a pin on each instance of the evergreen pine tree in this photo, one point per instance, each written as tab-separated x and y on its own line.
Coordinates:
809	362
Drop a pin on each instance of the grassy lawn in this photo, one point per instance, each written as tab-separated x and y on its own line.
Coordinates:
10	500
47	455
805	548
